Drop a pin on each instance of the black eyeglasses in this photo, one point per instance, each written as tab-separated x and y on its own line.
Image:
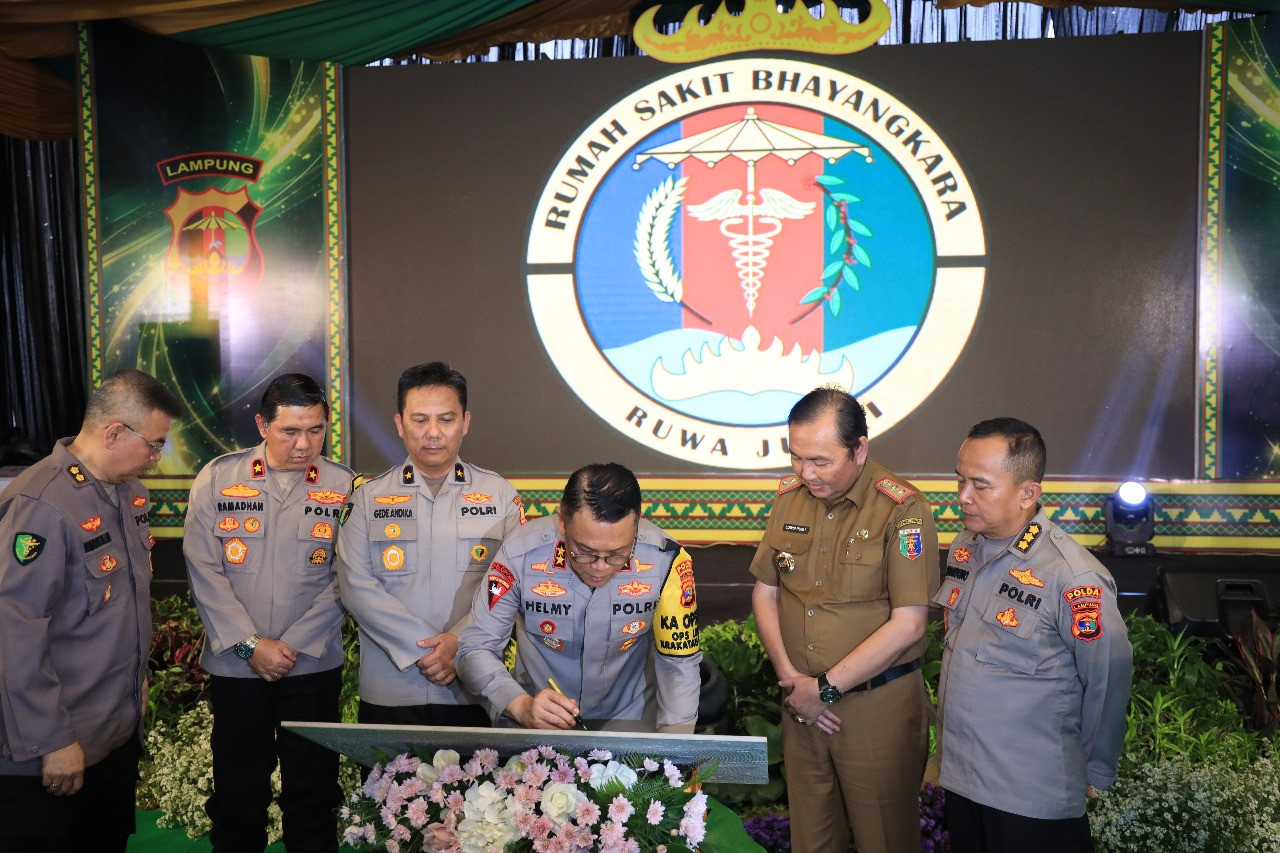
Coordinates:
156	447
615	560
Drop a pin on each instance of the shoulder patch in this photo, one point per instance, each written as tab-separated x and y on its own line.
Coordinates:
27	546
893	489
789	483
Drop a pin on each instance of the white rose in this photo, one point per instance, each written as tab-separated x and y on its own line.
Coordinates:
480	836
429	773
559	800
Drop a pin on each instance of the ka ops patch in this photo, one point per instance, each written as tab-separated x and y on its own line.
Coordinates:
27	546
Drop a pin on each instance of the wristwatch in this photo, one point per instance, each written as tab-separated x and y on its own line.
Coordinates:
244	649
827	691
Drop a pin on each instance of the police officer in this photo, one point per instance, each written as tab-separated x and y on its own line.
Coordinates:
412	551
259	548
75	624
843	577
1037	663
618	633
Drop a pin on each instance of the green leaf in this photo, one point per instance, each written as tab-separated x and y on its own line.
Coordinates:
862	256
846	197
859	228
725	833
837	242
831	269
851	277
836	301
814	295
829	180
832	217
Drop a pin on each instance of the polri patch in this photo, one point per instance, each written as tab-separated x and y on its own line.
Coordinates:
499	585
1079	592
27	546
1086	625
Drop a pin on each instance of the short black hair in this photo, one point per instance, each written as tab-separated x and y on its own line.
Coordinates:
291	389
851	418
433	374
1026	456
130	395
609	490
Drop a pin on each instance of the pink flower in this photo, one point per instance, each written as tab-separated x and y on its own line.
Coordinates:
401	832
631	846
392	846
583	768
438	837
436	794
488	759
600	755
417	813
549	753
673	774
563	774
528	796
611	834
621	809
536	775
655	812
696	807
650	765
452	773
693	829
529	756
455	801
353	835
586	813
389	818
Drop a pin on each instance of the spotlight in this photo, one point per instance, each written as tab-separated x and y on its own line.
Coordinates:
1130	519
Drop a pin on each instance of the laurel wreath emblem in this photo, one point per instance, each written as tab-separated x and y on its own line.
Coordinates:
653	246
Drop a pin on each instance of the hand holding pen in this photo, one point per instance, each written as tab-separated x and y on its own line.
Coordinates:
571	706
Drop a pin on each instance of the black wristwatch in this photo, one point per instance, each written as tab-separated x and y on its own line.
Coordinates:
827	691
244	649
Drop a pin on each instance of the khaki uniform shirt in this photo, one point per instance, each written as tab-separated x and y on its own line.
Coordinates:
409	563
1035	673
75	613
261	562
843	569
628	652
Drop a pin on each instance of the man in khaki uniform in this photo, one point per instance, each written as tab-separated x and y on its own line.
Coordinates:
843	578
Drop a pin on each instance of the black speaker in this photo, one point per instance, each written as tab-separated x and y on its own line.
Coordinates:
1214	602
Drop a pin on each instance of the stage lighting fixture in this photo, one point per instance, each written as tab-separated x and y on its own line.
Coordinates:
1130	520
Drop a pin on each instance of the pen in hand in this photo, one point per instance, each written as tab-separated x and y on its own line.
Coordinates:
577	719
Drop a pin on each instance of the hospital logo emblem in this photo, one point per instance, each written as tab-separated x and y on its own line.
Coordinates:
722	241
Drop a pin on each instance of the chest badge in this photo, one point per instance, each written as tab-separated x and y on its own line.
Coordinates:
108	563
92	525
962	555
1025	577
318	556
635	626
785	562
322	530
393	558
1008	618
228	524
392	531
252	525
635	589
479	552
953	597
235	551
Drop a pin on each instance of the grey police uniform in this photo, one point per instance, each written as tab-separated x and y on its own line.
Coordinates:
261	563
408	565
1035	673
627	652
75	613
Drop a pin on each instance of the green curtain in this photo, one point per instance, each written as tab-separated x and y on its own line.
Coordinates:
351	32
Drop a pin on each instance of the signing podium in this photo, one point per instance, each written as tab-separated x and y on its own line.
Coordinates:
743	760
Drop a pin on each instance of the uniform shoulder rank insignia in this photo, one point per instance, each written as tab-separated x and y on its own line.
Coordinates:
259	467
893	489
459	473
789	483
406	475
1028	538
313	475
77	474
27	546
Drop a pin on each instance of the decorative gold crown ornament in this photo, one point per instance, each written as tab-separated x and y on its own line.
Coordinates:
761	26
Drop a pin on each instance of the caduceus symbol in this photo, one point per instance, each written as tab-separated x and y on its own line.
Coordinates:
750	223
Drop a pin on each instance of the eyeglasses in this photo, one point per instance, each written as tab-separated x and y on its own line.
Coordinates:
156	447
615	560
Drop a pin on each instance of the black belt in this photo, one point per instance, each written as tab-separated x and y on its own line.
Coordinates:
885	677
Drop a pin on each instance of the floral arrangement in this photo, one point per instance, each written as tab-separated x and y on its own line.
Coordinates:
177	776
539	800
